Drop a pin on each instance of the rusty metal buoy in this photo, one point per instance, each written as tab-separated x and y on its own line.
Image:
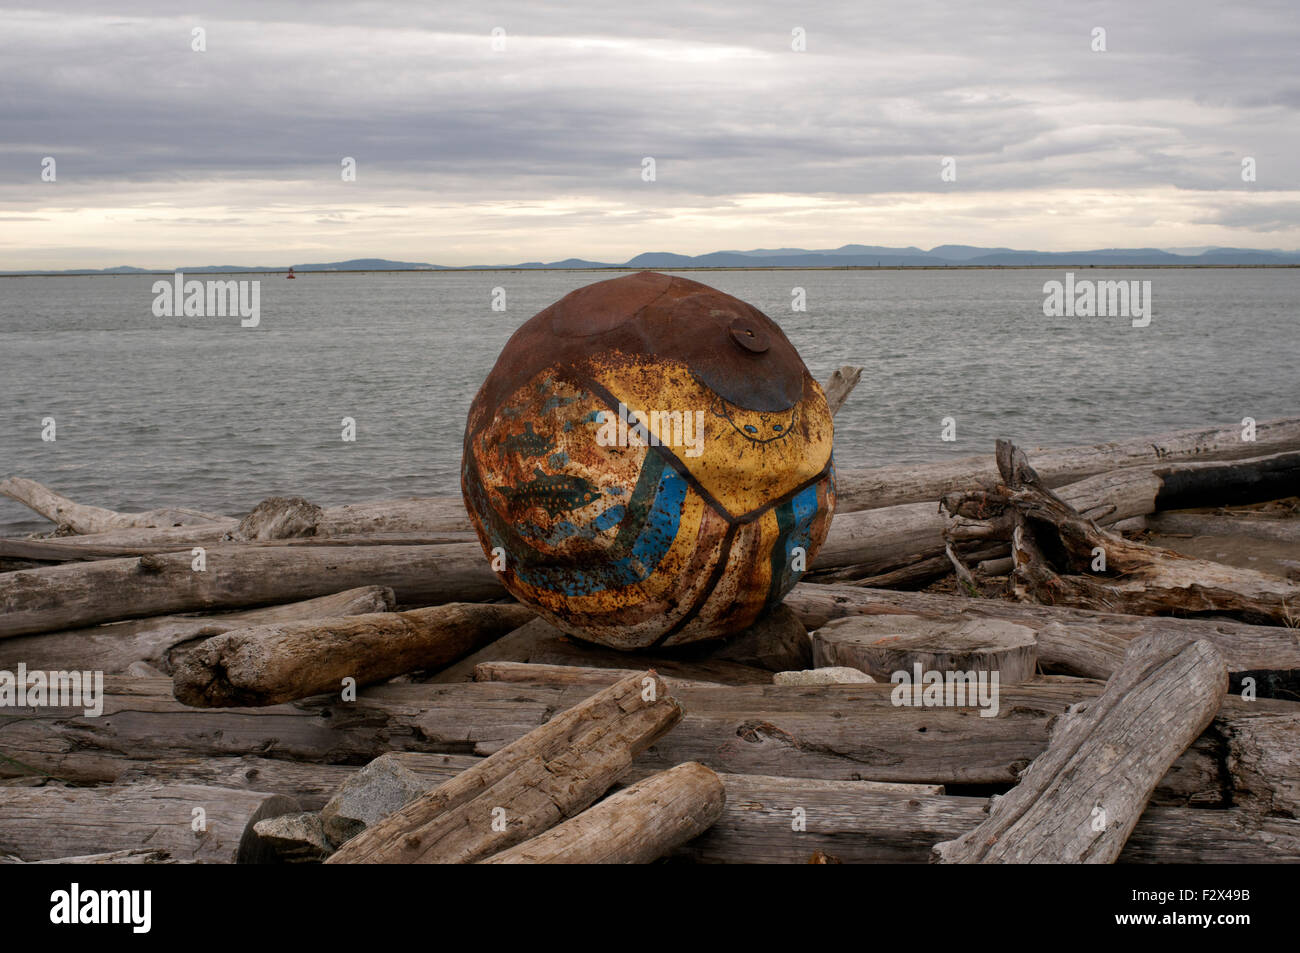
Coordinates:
649	463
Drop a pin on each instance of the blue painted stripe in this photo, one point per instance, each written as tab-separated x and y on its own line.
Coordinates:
647	551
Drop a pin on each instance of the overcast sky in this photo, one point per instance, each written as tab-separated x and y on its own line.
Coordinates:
169	157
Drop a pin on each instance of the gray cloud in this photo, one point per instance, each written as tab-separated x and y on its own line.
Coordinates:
713	92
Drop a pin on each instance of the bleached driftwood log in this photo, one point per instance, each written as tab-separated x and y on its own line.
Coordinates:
1248	756
284	661
1213	524
526	673
80	594
554	771
163	640
50	822
1081	798
310	783
839	385
853	821
637	825
94	519
860	489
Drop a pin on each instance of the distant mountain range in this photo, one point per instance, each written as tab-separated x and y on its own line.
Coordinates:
846	256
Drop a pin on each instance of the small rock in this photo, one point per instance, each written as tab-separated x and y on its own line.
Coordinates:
383	786
296	838
836	675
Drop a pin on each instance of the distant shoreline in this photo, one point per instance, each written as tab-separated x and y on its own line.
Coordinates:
626	268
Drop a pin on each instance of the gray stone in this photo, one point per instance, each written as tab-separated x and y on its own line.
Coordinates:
296	838
377	790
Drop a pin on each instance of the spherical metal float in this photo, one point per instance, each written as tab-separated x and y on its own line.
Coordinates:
649	463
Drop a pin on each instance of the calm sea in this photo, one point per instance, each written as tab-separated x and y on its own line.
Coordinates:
201	412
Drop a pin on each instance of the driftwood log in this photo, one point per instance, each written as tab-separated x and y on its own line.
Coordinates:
284	661
1213	524
526	673
554	771
162	641
1058	557
637	825
854	821
191	822
81	594
789	820
1081	798
80	518
839	385
1247	757
310	783
860	489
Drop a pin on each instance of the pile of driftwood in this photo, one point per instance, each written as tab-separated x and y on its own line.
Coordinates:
352	684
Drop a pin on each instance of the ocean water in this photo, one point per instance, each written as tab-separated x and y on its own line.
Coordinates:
201	412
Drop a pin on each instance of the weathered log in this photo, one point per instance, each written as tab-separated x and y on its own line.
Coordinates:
312	785
859	489
554	771
1213	524
139	856
830	731
163	640
269	664
839	385
84	548
190	822
855	821
275	518
79	594
1247	649
1081	798
787	820
637	825
94	519
540	643
527	673
883	645
1093	568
